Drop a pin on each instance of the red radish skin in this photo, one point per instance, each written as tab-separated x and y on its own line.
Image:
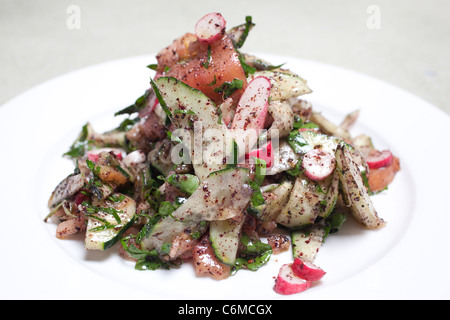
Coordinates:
379	159
149	107
264	153
80	198
307	270
288	283
94	154
318	164
210	27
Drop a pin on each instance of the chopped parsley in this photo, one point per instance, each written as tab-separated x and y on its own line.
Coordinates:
297	142
257	198
187	183
160	99
228	88
81	145
248	25
146	260
254	255
208	58
247	69
137	106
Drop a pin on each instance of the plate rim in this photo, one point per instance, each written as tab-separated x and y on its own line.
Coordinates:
30	91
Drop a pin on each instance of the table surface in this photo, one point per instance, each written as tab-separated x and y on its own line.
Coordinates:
403	42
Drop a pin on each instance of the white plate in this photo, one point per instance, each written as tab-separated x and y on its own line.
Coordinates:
408	259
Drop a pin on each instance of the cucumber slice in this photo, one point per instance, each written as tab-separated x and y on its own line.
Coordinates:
331	196
224	237
189	109
223	195
306	243
103	230
275	199
355	191
303	206
160	158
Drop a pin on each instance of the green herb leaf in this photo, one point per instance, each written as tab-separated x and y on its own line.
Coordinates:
334	222
235	156
254	255
160	99
92	210
146	260
208	59
137	106
298	169
257	198
228	88
178	111
187	183
165	248
127	124
213	82
297	142
247	69
260	170
81	144
248	25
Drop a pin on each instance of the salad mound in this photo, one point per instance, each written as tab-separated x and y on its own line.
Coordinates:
221	162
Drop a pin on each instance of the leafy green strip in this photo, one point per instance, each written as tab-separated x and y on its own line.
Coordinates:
165	209
247	69
160	99
295	138
235	155
92	210
248	25
80	146
228	88
257	198
187	183
254	255
150	260
146	260
334	222
137	106
208	59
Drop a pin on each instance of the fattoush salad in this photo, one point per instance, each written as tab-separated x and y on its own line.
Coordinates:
221	163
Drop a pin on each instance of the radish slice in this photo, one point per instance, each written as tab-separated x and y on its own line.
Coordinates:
252	108
80	198
318	164
94	154
306	270
149	107
379	159
135	157
210	27
251	113
288	283
264	153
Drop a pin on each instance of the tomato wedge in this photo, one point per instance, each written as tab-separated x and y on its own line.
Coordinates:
210	67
